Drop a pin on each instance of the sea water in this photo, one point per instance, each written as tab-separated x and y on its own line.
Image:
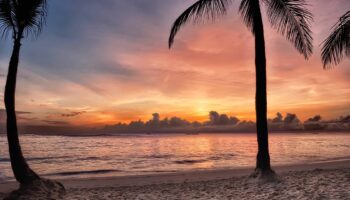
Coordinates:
120	155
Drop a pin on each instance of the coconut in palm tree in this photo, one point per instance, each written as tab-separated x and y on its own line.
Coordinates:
289	17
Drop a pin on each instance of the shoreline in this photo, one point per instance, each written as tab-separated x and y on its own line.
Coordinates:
122	134
183	177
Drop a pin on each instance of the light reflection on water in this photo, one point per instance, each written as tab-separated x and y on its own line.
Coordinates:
60	157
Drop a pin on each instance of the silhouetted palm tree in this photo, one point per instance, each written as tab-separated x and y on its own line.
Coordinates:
22	18
337	45
289	17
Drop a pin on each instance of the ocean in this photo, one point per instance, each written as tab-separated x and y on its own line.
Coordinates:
119	155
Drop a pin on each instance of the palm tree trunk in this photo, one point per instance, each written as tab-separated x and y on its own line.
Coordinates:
21	169
263	157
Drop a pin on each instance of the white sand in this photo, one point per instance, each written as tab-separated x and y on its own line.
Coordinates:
316	181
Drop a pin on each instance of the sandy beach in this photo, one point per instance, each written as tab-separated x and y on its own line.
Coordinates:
327	180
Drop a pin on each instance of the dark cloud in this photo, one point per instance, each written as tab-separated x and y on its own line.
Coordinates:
73	114
291	118
221	119
21	115
278	118
26	118
217	122
3	112
53	122
316	118
345	119
290	122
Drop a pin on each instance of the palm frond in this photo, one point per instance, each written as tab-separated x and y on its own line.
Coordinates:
202	9
6	17
248	11
31	15
22	16
337	45
292	19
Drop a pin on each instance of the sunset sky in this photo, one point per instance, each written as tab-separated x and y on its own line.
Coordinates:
101	62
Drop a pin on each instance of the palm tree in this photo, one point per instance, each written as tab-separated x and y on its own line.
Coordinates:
289	17
337	45
22	18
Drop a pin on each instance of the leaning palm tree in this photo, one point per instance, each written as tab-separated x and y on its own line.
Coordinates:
289	17
337	45
23	18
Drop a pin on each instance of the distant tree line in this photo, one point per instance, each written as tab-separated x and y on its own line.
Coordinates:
224	123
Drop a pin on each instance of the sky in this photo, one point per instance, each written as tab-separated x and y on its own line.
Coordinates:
102	62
